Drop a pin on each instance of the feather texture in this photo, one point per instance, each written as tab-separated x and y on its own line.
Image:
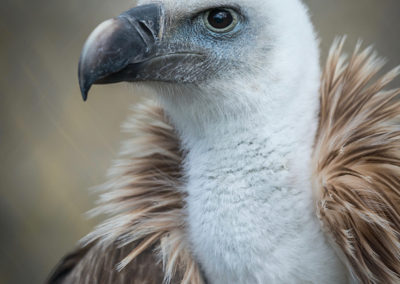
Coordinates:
146	224
357	164
96	263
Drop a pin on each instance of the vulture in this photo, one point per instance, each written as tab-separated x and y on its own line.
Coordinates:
249	162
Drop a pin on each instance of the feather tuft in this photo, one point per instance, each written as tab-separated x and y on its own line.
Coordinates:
144	197
144	204
357	164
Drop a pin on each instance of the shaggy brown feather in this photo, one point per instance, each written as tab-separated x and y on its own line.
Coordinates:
96	263
357	164
144	239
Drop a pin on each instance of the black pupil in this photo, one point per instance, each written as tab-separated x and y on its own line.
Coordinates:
220	19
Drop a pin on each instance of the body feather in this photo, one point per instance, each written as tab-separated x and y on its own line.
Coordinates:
356	188
144	239
97	262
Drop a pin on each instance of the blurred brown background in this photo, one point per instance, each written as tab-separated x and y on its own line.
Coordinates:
54	147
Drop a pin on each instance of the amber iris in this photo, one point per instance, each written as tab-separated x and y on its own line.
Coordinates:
220	19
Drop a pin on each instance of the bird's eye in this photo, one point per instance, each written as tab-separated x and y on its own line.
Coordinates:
220	20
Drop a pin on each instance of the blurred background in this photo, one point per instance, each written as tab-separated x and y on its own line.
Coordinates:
53	147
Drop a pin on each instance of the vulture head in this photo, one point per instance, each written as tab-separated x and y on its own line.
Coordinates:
208	60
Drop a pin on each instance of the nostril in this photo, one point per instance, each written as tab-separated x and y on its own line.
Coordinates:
146	29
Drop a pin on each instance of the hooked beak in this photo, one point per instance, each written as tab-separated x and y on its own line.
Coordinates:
116	49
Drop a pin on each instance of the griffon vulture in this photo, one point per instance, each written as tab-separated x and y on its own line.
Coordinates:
247	166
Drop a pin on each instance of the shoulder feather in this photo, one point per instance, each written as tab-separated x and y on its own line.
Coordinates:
96	263
144	234
357	164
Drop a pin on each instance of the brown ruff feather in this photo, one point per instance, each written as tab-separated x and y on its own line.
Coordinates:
146	221
357	164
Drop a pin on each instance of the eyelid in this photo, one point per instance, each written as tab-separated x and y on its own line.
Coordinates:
200	11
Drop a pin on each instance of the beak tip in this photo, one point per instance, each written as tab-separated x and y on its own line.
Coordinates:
84	93
85	81
84	97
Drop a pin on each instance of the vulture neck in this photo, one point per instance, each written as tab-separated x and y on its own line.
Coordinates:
248	143
250	213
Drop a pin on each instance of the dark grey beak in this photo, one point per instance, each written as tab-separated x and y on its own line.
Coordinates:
117	47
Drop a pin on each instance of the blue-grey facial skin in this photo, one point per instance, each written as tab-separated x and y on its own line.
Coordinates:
209	54
183	49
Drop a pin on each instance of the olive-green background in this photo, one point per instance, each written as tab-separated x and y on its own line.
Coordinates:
53	147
